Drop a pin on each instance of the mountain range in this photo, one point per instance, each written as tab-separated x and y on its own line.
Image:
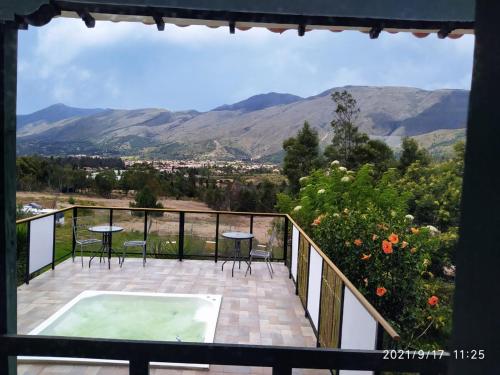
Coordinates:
250	129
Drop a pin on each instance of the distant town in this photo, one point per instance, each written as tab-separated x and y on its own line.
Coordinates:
218	167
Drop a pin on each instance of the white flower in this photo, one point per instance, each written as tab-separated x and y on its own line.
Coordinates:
302	179
350	172
327	173
321	191
409	217
297	208
343	169
432	230
336	215
345	179
334	163
393	213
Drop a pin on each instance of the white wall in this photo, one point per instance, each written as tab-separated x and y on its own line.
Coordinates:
359	329
314	289
41	241
295	251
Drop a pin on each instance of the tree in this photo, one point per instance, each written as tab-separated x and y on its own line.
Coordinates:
266	196
376	152
145	198
346	136
104	183
412	153
301	155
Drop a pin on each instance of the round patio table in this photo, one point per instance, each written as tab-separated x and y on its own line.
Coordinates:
106	231
237	237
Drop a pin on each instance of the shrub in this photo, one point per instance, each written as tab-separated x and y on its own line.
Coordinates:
363	225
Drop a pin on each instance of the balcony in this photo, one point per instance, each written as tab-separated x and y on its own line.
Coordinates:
308	307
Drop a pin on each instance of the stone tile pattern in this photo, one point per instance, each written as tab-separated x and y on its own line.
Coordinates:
255	309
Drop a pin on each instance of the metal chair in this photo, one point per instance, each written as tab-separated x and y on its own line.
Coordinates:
136	243
263	252
83	237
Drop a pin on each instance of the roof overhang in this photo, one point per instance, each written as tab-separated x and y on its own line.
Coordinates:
446	17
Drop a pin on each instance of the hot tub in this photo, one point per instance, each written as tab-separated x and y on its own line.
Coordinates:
133	316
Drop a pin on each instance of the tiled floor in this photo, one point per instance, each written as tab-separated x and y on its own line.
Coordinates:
255	309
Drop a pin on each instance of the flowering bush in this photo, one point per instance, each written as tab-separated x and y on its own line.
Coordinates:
363	225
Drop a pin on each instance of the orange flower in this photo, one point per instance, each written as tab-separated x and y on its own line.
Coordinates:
387	247
316	222
374	237
394	238
433	301
415	230
381	291
413	250
404	244
366	256
358	242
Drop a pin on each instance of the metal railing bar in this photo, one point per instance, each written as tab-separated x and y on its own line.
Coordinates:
220	354
138	367
217	224
174	210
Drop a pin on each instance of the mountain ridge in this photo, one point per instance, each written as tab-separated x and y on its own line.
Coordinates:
253	128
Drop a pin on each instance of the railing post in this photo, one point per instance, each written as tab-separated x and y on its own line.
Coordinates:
181	235
341	320
379	343
138	367
251	231
285	242
145	225
308	277
282	370
27	270
110	224
217	220
318	341
54	244
73	222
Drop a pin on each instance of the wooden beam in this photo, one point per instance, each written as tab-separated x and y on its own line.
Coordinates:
8	87
375	31
160	24
87	18
476	321
301	29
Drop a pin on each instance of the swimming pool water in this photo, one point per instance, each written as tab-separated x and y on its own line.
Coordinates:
132	316
135	316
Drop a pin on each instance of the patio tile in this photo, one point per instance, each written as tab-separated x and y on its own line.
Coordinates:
255	309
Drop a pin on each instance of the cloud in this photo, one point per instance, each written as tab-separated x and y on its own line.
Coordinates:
128	65
63	40
347	76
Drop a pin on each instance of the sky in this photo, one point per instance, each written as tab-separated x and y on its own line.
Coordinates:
131	65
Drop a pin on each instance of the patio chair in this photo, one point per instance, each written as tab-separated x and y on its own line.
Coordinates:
263	252
83	237
136	243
